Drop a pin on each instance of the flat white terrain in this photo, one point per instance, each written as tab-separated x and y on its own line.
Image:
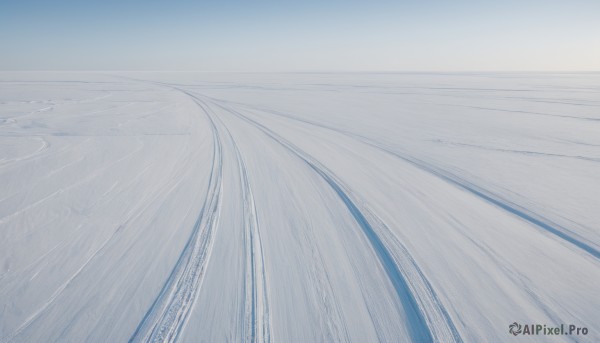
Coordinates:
298	207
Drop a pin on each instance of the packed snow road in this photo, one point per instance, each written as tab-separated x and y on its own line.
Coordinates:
151	207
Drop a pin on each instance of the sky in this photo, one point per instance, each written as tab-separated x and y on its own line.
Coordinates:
296	36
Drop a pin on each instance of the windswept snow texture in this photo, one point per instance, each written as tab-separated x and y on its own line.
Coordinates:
190	207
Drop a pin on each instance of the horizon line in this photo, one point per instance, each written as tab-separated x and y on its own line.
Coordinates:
299	71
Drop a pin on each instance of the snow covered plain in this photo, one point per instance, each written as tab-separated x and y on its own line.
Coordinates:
298	207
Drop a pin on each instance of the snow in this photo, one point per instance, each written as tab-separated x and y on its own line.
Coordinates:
299	207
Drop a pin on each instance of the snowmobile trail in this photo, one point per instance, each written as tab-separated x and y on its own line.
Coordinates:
525	214
297	207
258	328
167	317
422	322
257	325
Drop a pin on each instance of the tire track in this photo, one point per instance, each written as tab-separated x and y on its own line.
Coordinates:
257	314
168	315
424	326
428	320
521	212
257	326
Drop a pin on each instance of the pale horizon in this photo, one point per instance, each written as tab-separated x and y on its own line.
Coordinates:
268	36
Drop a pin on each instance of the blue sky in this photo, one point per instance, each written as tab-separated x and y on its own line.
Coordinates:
426	35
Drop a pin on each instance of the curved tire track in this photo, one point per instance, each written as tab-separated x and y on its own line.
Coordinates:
168	315
428	320
517	210
257	325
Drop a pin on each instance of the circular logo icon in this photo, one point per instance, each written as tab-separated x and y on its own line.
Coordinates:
515	328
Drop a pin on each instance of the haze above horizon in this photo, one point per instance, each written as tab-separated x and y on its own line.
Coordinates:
271	36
